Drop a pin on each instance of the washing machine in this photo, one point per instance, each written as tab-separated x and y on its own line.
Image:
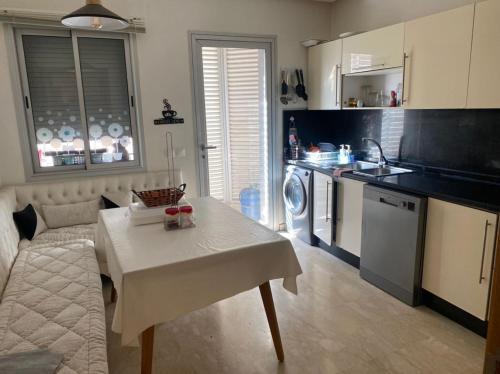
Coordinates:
297	194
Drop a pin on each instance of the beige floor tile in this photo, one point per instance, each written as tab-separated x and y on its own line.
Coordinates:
337	324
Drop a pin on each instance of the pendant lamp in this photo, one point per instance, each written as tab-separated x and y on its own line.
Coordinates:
93	16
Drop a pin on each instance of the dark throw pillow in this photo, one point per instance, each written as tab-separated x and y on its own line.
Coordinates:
108	204
29	223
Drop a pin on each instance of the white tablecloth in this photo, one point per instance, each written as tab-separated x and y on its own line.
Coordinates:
160	275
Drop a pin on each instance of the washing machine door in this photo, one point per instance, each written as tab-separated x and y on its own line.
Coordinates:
294	194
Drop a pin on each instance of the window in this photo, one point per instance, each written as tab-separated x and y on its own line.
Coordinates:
78	100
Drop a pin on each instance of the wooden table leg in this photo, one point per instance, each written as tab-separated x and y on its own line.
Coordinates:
147	350
267	298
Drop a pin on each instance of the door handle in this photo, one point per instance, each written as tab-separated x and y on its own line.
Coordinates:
368	67
327	200
387	202
404	98
337	85
481	277
205	147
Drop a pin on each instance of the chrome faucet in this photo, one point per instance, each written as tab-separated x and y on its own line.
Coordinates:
382	161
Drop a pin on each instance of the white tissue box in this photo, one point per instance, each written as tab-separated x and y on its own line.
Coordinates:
141	215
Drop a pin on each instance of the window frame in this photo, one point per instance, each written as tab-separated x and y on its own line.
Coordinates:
30	151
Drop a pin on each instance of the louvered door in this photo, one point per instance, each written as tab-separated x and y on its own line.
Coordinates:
235	144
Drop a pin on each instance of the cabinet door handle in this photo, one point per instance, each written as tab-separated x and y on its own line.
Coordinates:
481	277
405	98
368	67
337	88
327	200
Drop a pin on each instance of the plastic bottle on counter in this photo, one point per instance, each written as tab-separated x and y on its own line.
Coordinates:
349	155
293	138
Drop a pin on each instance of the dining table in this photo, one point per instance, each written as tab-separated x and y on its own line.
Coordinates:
159	275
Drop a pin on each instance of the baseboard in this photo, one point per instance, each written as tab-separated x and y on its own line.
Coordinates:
340	253
454	313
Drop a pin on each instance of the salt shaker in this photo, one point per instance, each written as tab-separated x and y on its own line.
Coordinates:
171	219
186	216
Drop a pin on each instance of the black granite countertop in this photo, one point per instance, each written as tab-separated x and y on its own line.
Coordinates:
482	194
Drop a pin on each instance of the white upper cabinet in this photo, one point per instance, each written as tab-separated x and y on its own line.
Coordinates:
484	83
324	76
438	51
373	50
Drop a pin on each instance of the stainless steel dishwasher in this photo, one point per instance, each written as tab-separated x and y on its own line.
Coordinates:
392	242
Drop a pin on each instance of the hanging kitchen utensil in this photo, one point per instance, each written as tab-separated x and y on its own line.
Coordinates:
299	89
284	88
284	84
305	96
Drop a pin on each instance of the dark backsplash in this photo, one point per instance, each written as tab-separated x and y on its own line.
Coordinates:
463	140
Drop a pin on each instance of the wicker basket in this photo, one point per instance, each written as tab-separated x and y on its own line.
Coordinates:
163	197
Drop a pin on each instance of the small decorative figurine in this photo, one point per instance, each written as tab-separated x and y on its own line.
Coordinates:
167	110
394	99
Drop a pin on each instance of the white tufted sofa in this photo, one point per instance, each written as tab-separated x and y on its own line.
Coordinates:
86	189
50	288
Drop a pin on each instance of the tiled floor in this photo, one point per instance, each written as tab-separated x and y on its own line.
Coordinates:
337	324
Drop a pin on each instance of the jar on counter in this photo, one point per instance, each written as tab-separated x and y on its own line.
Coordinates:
171	221
186	216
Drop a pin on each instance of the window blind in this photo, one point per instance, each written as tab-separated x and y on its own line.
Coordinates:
212	81
105	91
50	70
246	106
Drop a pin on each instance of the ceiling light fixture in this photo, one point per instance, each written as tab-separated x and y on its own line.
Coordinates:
93	16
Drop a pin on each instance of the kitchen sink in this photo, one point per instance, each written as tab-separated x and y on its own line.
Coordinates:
381	171
361	165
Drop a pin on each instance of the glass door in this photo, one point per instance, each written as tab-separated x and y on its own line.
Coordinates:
232	86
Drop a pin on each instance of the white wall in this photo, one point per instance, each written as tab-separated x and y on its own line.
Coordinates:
164	64
365	15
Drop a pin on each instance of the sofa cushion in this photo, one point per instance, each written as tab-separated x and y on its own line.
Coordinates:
61	234
9	236
29	222
71	214
53	301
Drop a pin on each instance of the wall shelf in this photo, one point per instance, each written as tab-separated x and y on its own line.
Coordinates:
168	121
373	108
372	87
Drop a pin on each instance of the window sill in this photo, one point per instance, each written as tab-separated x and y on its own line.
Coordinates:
47	176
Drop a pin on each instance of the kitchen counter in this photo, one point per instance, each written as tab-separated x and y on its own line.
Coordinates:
471	192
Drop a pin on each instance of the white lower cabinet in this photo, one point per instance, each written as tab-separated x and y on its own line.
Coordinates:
322	222
459	250
350	215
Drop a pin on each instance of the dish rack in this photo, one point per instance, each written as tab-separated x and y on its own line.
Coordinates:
321	156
